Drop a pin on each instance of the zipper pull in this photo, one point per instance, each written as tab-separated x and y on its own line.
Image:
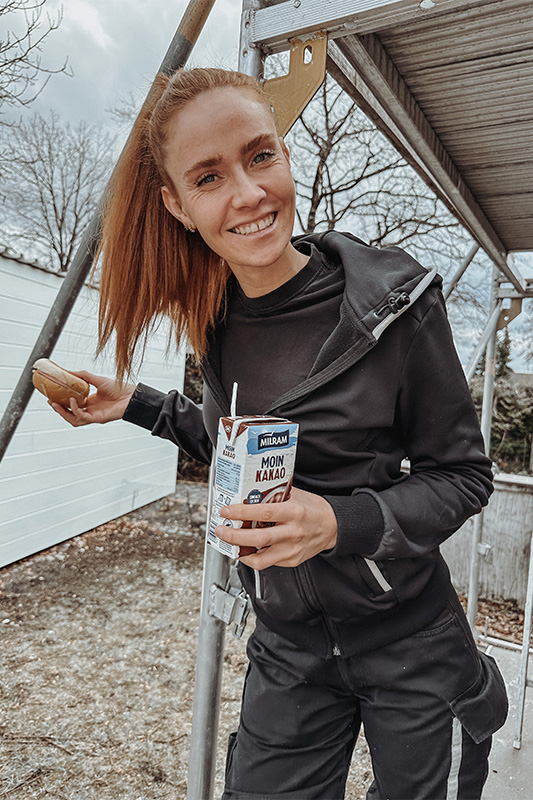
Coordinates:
399	302
394	304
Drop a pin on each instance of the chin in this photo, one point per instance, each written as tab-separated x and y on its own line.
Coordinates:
260	261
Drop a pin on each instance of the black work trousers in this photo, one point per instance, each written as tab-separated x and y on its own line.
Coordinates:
429	705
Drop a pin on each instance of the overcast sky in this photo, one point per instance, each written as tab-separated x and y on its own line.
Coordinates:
114	48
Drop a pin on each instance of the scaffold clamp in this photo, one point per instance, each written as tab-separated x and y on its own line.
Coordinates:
232	606
485	551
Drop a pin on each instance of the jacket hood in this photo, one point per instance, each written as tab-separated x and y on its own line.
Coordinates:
381	284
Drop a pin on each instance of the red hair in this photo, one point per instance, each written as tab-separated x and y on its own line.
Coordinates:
151	265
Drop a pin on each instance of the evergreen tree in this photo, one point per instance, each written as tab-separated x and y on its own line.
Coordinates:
512	423
503	353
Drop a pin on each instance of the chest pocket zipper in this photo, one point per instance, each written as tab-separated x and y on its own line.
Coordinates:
378	575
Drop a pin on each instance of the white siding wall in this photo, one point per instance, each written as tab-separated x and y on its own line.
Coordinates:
57	481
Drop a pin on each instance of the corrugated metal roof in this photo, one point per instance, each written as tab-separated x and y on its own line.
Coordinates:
471	73
451	83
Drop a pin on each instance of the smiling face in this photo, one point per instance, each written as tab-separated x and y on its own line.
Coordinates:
232	182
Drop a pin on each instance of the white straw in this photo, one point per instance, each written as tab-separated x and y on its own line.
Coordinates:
233	408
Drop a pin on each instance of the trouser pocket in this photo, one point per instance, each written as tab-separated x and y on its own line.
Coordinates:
482	708
431	703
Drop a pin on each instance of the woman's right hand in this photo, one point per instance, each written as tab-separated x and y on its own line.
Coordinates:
105	405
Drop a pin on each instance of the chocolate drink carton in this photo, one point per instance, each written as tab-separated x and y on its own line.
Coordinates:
254	463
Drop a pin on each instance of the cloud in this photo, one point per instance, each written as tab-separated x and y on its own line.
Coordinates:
85	15
115	48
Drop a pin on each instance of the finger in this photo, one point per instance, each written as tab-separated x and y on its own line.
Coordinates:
74	407
65	413
77	409
61	410
270	556
80	412
257	538
261	512
90	377
259	561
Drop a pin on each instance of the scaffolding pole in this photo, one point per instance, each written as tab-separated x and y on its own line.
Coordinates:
189	29
523	681
486	424
461	270
208	677
217	575
489	332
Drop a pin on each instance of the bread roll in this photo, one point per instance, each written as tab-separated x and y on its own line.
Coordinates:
57	384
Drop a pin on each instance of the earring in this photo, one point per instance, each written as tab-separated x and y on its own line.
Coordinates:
191	229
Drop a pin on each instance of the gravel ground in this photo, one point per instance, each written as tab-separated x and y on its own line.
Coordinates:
98	658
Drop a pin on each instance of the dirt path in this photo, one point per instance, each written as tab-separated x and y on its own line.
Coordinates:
97	661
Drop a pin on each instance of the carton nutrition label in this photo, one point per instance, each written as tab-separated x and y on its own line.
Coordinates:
228	475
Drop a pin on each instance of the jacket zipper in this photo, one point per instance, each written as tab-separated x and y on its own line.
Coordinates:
312	601
394	304
398	303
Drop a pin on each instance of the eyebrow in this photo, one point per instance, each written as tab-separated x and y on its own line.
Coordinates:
259	141
262	140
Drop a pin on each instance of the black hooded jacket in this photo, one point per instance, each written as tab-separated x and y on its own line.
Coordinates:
387	386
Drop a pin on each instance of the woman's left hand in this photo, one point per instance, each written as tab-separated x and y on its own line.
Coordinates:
305	525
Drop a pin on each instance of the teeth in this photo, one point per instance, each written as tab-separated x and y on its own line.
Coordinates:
244	230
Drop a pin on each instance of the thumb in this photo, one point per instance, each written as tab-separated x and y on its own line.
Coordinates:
90	377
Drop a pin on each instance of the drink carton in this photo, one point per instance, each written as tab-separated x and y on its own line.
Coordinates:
254	463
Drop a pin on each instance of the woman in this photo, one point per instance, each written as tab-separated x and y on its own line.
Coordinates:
357	620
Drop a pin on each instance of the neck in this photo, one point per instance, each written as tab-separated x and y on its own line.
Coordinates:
258	281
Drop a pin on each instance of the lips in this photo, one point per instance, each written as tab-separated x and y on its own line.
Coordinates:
254	227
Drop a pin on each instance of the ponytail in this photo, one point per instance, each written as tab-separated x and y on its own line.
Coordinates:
151	265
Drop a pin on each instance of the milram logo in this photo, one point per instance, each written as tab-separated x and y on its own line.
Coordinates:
273	439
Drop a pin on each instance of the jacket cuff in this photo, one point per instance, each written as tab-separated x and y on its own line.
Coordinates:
360	524
144	407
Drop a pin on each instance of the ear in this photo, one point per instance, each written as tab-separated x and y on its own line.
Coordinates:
285	149
173	205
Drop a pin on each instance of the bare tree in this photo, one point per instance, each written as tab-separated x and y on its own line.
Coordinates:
21	67
53	177
348	174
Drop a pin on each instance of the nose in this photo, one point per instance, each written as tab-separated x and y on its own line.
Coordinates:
246	191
